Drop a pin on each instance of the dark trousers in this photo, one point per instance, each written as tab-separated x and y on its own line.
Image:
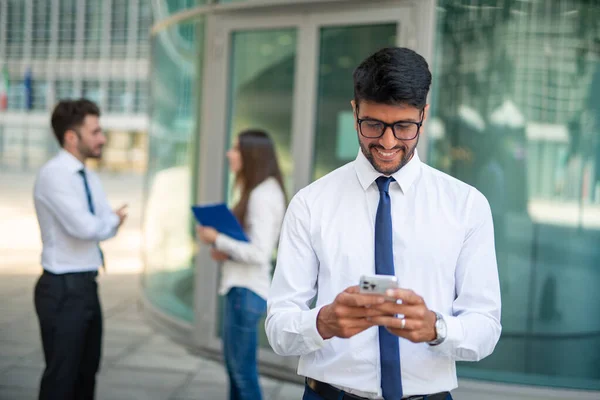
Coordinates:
243	311
70	318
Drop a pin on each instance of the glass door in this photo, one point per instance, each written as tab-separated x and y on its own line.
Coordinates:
288	71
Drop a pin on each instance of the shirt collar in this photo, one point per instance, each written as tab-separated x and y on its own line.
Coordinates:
70	161
405	176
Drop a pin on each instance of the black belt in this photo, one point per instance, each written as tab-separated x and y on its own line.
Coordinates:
328	392
91	275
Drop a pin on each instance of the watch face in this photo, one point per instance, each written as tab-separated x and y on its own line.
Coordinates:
440	327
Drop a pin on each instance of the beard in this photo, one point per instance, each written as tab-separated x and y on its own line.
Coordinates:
407	155
88	152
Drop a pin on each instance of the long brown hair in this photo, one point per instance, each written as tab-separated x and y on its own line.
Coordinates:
259	162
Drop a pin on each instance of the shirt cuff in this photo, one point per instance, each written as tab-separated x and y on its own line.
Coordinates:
221	243
308	329
454	336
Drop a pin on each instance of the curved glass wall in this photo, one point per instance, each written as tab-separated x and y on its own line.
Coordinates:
169	246
516	113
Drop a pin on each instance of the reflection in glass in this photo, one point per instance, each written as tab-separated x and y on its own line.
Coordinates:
262	88
168	228
341	50
260	95
516	113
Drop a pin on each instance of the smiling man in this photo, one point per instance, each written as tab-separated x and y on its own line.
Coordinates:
386	213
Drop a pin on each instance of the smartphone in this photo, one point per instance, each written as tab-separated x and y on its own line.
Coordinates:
377	284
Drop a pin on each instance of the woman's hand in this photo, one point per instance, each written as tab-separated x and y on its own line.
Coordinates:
207	234
218	255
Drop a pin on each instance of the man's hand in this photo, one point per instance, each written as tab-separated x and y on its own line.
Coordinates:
218	255
419	324
349	314
207	234
122	214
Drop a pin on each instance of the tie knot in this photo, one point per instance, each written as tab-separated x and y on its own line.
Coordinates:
81	172
383	183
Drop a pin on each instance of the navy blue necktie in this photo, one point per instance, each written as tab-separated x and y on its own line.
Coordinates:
88	193
389	346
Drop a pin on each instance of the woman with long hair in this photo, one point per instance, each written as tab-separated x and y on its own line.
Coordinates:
246	268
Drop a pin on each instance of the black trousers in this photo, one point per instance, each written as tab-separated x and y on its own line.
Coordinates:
70	318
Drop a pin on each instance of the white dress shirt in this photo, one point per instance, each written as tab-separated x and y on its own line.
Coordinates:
443	250
70	232
250	263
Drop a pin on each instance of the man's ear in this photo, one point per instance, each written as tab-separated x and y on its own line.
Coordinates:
70	136
425	112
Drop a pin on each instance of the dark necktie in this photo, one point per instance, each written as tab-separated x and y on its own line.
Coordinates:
88	194
389	346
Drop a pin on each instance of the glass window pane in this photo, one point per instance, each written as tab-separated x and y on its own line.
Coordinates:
516	113
140	99
40	35
39	92
16	95
92	91
262	87
119	99
143	28
93	29
15	28
175	6
261	93
169	245
341	50
67	28
65	90
119	27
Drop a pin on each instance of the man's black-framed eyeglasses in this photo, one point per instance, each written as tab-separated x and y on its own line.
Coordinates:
403	130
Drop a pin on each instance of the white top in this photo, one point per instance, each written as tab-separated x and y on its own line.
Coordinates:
443	250
250	263
70	232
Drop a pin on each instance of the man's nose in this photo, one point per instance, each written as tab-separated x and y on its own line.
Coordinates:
388	140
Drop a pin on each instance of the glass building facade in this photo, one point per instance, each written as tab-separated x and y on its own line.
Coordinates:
515	112
68	49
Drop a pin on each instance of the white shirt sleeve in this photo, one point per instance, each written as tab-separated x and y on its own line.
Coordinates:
105	210
264	212
474	328
71	213
291	325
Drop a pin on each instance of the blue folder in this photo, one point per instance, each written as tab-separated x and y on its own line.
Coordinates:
219	216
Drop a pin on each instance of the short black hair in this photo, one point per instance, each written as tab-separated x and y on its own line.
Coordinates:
69	114
393	75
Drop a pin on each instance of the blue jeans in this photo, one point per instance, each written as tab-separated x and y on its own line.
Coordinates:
243	311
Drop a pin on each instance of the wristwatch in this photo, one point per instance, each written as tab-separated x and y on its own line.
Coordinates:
440	330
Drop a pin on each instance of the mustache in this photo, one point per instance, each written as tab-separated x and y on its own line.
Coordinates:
377	146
